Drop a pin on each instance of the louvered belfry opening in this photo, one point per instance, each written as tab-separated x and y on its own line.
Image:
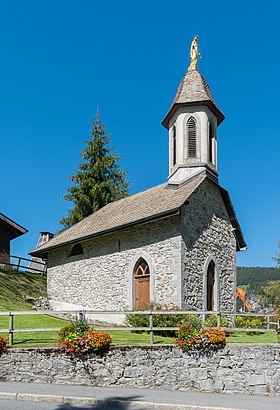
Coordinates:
174	146
192	138
210	143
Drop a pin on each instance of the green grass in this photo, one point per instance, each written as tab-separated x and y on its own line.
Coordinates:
16	286
14	289
127	338
45	339
242	337
33	339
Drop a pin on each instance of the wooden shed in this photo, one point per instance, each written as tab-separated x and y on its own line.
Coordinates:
9	230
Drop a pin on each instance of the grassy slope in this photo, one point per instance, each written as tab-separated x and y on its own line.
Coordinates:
15	287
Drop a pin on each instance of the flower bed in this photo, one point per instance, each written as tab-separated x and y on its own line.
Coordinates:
193	335
79	338
3	344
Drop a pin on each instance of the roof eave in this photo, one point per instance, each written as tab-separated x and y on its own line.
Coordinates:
18	229
43	253
220	116
240	241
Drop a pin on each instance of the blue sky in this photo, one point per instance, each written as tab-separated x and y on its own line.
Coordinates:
60	60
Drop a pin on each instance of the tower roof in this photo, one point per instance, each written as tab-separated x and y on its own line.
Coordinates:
193	90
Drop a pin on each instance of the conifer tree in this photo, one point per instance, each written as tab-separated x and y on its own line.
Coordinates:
99	179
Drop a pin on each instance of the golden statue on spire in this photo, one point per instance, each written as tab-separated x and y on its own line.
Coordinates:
194	54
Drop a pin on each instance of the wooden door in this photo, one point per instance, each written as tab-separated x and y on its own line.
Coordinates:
141	285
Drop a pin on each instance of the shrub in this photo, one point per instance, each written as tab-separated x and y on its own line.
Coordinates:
212	321
193	335
79	338
248	322
161	320
3	344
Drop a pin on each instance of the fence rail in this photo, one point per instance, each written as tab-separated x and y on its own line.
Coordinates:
269	326
22	265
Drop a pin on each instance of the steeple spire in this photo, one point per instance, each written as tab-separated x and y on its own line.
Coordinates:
192	122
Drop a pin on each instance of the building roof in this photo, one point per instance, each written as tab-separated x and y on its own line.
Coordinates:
13	228
160	201
193	90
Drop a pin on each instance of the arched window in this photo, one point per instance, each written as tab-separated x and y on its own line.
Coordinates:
191	137
141	274
174	147
211	143
77	250
210	304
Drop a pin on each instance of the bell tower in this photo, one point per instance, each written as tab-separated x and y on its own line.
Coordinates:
192	122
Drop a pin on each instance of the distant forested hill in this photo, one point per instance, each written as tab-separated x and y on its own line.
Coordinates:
246	275
261	284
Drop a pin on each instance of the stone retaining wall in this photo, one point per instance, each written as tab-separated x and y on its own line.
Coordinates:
253	369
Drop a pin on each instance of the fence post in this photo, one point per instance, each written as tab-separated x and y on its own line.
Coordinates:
219	319
151	328
267	322
11	329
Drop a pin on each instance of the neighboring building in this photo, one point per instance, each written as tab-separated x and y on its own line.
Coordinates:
38	264
9	230
174	244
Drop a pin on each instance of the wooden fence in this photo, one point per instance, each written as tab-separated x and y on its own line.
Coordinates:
20	263
270	322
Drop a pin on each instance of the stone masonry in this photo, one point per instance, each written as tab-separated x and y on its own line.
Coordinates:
101	278
176	248
250	369
207	232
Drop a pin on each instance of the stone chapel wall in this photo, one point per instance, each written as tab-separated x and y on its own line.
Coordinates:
207	232
101	278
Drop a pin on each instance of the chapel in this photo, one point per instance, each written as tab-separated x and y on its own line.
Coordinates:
174	244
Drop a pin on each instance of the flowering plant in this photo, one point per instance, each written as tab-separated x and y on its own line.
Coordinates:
98	340
3	344
78	338
193	335
276	312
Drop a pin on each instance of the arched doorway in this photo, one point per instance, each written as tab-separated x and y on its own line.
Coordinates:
141	276
210	301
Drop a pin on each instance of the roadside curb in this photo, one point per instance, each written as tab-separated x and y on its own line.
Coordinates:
51	398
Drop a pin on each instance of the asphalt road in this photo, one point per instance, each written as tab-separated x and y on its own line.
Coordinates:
29	396
37	405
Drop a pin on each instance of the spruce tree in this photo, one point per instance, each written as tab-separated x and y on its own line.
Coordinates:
99	179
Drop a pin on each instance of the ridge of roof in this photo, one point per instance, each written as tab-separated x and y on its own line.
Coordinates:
148	204
193	89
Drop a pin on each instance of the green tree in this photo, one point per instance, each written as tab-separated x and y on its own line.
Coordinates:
99	179
272	292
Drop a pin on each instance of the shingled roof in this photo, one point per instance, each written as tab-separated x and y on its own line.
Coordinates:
146	205
193	90
162	200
